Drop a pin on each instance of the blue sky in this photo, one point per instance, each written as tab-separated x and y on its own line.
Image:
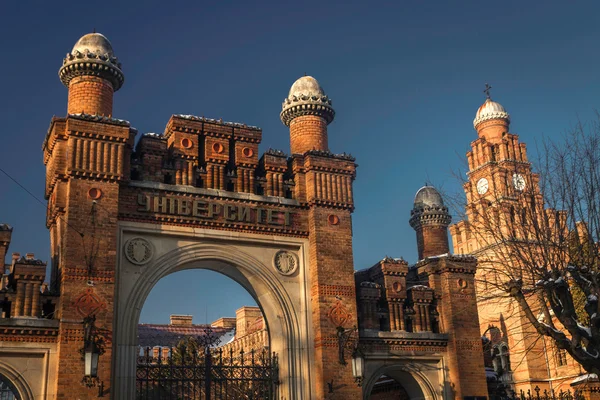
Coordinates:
406	78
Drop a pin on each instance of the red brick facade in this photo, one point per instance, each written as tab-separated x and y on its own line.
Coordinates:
90	95
205	174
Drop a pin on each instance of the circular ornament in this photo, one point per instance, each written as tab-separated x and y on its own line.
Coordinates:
482	186
218	148
519	182
138	251
397	286
285	262
186	143
333	219
462	284
95	193
247	152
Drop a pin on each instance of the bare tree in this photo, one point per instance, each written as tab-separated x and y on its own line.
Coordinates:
537	239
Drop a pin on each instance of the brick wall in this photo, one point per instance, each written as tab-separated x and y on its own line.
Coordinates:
90	95
308	132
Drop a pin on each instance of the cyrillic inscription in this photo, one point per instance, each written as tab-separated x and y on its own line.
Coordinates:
212	210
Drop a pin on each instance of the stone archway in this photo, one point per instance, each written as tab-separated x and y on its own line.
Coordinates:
416	384
18	382
246	261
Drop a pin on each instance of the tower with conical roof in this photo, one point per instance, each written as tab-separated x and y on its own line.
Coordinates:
92	73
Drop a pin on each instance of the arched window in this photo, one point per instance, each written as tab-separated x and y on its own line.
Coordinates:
8	390
501	358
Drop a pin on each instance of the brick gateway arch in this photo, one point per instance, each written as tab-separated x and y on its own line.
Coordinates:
122	215
246	260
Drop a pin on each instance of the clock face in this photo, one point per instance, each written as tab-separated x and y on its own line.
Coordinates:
518	182
482	186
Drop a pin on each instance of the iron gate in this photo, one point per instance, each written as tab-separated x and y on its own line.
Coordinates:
180	374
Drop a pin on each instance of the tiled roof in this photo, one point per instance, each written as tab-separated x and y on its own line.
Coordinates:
168	335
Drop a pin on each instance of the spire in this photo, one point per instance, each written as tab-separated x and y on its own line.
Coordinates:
487	91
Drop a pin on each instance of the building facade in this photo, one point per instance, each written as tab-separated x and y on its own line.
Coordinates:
122	215
503	195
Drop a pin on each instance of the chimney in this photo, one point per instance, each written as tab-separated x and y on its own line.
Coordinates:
185	320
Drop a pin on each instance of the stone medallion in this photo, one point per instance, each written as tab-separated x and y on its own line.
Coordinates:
285	262
138	251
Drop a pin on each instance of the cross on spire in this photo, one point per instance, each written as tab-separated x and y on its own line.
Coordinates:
487	91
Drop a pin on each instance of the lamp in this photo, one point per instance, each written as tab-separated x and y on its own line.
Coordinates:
93	348
91	356
358	366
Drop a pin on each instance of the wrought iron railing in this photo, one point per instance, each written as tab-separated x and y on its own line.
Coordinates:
205	374
538	394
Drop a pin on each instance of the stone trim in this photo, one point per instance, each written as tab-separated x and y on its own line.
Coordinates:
89	63
222	194
307	105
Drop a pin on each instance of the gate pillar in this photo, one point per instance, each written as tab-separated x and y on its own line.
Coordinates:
323	181
86	157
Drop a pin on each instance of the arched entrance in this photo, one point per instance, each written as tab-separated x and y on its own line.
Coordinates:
248	261
12	384
400	381
387	388
8	391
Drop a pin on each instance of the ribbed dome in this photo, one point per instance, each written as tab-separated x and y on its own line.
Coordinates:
306	97
96	43
428	196
307	85
92	55
490	110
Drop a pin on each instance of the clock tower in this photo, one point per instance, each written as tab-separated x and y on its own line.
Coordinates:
502	197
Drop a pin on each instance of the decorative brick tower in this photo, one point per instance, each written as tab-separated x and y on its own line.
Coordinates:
430	219
92	73
323	181
307	111
87	156
502	193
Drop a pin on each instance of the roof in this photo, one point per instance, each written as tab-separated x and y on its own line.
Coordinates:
152	335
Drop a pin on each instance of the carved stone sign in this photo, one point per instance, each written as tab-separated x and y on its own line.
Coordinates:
285	262
138	251
212	210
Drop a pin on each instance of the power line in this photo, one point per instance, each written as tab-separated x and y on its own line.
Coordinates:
38	200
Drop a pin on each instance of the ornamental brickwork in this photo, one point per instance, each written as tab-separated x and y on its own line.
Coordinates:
199	195
501	180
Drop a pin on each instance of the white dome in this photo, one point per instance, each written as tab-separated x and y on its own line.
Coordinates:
307	86
490	110
306	97
428	196
96	43
92	55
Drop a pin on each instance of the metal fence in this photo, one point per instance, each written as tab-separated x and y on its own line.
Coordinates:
202	374
538	394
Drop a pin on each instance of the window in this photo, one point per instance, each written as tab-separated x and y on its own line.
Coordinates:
501	358
7	390
561	357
